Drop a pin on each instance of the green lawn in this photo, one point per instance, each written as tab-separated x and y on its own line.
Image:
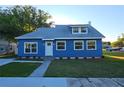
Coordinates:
120	54
16	69
106	67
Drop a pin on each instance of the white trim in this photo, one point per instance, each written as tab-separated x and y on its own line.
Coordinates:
47	39
48	49
73	30
80	57
81	38
31	48
78	26
28	37
64	38
87	45
64	57
57	45
78	41
97	57
72	57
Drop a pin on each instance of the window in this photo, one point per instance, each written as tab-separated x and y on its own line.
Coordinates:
75	30
30	47
79	30
91	44
48	43
78	45
61	45
83	30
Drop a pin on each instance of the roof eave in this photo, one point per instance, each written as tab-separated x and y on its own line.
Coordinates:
28	37
60	38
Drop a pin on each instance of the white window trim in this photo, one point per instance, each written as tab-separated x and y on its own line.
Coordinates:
57	45
74	32
31	49
82	44
79	30
87	45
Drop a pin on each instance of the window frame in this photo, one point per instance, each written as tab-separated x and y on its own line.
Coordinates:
79	41
95	45
73	30
85	29
79	30
31	48
57	45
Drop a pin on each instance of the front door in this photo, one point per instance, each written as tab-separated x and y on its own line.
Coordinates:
48	48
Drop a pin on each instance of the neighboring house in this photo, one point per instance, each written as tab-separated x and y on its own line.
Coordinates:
5	47
106	45
64	41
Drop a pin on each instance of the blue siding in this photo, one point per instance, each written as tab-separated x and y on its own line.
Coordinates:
70	52
41	48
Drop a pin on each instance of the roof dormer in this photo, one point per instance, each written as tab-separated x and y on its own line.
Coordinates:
79	29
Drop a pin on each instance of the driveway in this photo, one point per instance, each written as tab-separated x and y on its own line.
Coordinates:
6	61
60	82
95	82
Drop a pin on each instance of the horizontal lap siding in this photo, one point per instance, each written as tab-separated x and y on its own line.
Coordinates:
70	52
41	48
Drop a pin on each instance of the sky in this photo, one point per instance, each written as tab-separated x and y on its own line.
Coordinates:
109	20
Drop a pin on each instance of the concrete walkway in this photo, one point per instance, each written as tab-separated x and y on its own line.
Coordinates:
61	82
6	61
39	72
32	82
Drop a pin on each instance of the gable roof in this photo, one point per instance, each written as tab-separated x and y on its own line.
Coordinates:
62	31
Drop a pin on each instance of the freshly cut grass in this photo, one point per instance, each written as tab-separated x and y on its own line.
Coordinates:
117	53
16	69
105	67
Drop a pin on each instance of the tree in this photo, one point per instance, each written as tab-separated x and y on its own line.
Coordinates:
18	20
119	42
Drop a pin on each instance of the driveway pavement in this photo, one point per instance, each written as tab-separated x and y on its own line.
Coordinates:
6	61
95	82
61	82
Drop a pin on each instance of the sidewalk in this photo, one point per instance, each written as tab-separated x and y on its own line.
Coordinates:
6	61
32	82
60	82
39	72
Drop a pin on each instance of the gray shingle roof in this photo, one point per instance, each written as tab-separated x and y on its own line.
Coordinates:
61	31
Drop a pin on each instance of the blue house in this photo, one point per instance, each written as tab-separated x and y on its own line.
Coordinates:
62	41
